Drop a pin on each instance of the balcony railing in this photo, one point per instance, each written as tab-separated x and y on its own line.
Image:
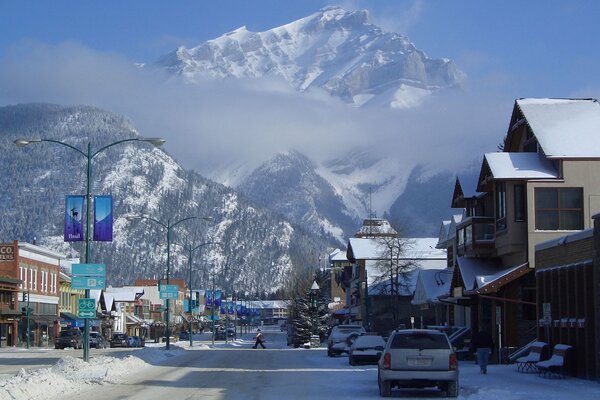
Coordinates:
476	235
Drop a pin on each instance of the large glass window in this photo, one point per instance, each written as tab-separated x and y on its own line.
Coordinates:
558	209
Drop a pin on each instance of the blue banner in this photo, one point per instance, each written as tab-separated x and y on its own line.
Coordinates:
218	298
103	218
222	310
230	308
74	218
208	298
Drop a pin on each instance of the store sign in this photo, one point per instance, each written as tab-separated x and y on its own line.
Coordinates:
7	252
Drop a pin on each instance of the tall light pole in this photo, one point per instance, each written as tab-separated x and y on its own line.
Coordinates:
190	248
168	227
89	156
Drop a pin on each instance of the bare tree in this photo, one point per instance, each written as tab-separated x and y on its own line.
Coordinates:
394	266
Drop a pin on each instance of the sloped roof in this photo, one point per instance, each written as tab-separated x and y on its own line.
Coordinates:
416	249
492	283
430	287
564	127
338	256
520	166
470	268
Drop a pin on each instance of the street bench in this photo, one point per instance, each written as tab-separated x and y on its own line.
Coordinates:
555	365
529	362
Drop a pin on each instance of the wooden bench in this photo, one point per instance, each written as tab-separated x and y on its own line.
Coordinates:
555	365
529	362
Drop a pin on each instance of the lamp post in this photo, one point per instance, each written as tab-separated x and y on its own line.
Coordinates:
169	227
314	304
89	156
190	248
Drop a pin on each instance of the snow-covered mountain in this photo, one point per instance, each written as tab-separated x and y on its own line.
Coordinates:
334	49
343	53
259	249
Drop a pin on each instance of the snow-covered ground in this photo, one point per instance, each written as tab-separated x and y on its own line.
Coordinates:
71	376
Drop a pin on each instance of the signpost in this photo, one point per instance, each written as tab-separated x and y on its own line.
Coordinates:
87	308
88	276
168	291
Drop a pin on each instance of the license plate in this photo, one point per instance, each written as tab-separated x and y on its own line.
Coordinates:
419	362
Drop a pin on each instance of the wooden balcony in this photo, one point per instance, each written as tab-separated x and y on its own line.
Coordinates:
476	236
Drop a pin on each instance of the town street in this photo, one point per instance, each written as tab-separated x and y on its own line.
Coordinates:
236	371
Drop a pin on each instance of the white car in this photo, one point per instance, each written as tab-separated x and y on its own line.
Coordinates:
336	342
418	358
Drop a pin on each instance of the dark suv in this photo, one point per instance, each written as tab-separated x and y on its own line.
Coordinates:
69	338
119	340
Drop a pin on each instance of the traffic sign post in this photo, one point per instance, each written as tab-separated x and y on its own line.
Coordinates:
87	308
168	291
88	276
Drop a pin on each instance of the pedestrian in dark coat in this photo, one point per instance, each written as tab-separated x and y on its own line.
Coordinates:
483	345
259	339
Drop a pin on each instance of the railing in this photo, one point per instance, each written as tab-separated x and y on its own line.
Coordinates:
475	234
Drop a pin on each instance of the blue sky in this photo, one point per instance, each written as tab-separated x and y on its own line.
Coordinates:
543	47
79	52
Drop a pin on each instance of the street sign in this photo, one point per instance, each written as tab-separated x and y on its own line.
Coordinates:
87	308
547	312
168	291
89	270
168	288
88	282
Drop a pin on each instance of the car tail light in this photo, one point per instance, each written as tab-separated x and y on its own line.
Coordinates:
387	361
453	362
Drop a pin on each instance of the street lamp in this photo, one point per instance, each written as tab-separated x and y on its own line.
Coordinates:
190	248
168	226
314	304
89	156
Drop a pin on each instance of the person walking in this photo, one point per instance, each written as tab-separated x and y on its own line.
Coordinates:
483	345
259	340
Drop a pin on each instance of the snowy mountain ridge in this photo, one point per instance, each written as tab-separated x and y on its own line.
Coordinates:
339	51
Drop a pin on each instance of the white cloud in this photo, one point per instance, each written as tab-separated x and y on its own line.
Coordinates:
251	120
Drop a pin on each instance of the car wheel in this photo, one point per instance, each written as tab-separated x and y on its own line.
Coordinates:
351	360
330	353
385	388
452	389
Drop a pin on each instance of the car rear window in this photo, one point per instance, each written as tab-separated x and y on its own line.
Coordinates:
68	333
120	336
419	341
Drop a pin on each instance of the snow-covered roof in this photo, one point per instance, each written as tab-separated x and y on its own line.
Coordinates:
520	166
416	248
443	236
270	304
431	284
564	127
338	256
124	294
491	283
376	227
470	268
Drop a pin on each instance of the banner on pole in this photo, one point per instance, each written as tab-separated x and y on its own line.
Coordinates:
230	308
208	301
103	218
74	218
218	298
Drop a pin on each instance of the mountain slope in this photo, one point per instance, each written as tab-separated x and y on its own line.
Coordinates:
288	184
259	249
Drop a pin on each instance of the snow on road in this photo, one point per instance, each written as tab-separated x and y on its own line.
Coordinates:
333	376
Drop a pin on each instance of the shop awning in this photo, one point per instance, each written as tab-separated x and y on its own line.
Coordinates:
471	268
69	316
493	283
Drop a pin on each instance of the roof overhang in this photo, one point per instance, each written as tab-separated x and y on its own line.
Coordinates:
493	283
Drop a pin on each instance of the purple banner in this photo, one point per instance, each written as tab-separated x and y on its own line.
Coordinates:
218	298
103	218
74	218
208	300
230	308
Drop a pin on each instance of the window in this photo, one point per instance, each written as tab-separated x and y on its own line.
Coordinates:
558	209
519	203
500	206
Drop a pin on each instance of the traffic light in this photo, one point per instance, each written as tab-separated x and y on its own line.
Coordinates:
25	297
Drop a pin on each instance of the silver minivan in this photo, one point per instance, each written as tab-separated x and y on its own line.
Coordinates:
418	358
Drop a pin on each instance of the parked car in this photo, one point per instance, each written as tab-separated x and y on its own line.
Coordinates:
418	358
336	342
184	335
119	340
97	340
135	341
220	334
69	338
366	349
231	332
